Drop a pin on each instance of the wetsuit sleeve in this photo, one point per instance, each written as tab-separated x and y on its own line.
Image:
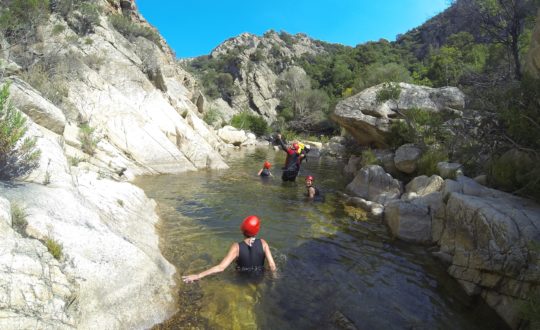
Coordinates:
283	146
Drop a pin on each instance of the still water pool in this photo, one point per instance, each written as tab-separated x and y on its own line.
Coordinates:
334	272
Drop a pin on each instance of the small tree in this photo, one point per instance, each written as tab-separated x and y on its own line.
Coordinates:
503	21
18	155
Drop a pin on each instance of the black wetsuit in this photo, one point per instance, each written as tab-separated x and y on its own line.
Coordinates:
265	172
250	258
292	163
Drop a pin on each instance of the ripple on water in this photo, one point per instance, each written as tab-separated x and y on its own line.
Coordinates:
334	272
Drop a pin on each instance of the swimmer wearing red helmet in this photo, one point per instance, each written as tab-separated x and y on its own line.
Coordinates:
265	171
311	190
249	254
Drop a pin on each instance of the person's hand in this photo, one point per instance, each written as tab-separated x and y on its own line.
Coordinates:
190	278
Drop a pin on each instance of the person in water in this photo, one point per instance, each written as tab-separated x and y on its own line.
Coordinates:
312	191
295	154
265	171
249	254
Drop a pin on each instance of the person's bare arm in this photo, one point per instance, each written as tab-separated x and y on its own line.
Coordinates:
231	255
268	255
311	192
260	171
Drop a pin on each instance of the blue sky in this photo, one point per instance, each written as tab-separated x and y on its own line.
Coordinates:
195	27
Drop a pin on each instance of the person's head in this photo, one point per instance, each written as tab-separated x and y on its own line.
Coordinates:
250	226
309	180
294	145
267	164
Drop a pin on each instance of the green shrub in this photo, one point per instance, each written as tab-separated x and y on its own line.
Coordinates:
94	61
287	38
18	219
58	28
420	127
211	116
49	81
257	56
427	164
241	120
82	15
131	30
258	126
88	141
88	17
247	121
18	155
389	91
378	73
54	248
74	161
516	172
369	158
400	134
19	19
288	135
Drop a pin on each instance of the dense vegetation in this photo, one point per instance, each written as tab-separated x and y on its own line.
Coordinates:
476	45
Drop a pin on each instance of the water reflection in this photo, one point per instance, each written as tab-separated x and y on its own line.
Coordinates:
334	272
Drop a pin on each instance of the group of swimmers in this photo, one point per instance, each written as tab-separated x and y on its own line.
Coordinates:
250	254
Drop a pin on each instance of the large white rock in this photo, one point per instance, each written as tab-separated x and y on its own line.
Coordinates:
406	158
42	112
232	135
449	170
408	221
107	232
374	184
369	121
423	185
490	236
35	293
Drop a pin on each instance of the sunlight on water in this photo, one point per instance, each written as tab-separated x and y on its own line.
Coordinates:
337	268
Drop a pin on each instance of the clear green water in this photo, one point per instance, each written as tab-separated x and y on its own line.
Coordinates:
334	272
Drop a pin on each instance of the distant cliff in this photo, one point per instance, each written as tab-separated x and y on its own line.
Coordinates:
247	70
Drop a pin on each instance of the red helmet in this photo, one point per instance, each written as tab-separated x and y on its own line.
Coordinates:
250	226
309	177
267	165
294	146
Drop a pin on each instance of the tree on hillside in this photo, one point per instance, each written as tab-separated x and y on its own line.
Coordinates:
504	22
302	107
18	155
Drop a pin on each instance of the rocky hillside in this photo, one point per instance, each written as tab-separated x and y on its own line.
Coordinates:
251	67
106	101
